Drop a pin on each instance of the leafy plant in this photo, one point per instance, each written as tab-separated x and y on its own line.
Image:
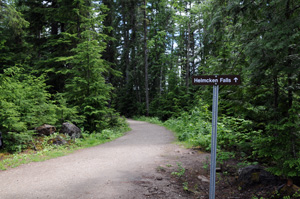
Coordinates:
185	186
24	101
180	172
16	142
192	127
223	156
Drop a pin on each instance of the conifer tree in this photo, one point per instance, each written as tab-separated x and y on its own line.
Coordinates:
86	87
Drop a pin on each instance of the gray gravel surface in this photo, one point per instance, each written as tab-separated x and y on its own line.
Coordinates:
124	168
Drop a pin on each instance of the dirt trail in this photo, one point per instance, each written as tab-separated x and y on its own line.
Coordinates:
125	168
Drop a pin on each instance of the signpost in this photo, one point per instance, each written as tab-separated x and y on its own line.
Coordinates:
215	81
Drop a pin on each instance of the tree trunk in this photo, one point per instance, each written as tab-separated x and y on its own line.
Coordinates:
187	69
125	53
54	24
146	58
276	91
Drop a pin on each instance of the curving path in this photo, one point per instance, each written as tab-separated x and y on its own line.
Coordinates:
112	170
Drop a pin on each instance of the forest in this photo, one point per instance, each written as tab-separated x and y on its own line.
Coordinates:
90	62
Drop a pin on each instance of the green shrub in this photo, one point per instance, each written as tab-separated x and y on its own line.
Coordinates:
24	101
26	104
192	127
16	142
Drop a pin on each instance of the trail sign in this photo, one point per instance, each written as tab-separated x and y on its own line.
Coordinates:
215	81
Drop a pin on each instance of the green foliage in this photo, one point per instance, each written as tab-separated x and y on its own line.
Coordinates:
171	104
257	40
185	186
67	50
193	127
12	18
24	101
234	134
92	139
86	88
153	120
65	112
26	104
12	31
180	172
17	142
237	134
224	156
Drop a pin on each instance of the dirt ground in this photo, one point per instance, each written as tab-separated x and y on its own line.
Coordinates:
184	173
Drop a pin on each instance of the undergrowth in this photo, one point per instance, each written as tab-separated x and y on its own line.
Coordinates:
193	129
152	120
45	150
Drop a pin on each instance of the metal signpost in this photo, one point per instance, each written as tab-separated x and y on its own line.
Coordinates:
215	81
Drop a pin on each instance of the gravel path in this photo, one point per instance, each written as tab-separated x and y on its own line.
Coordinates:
112	170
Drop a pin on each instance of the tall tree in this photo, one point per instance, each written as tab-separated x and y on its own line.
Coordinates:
87	88
146	58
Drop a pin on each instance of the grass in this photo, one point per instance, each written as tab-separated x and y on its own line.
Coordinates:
154	120
50	151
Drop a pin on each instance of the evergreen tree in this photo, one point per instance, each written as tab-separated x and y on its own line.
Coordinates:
86	87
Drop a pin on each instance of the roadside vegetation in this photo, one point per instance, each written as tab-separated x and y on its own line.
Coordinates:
238	139
238	148
193	130
40	148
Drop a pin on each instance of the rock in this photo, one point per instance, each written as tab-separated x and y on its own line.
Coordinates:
45	129
147	194
218	169
229	168
288	189
58	140
203	178
255	174
177	151
71	130
159	178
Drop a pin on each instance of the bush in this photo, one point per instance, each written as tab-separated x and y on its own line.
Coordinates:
193	127
24	102
16	142
277	145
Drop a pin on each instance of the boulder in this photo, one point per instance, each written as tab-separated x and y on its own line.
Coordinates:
255	174
203	178
288	189
58	140
71	130
45	129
